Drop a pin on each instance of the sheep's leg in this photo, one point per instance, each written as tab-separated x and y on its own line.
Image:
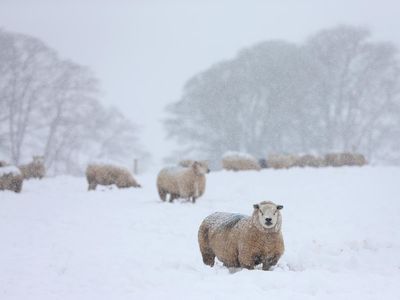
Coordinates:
172	197
266	266
16	185
268	262
208	258
206	252
92	186
162	194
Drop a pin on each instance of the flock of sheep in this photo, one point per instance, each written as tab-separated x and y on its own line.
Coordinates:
236	240
12	177
186	180
236	161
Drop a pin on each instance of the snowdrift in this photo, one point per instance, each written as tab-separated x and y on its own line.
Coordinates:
340	226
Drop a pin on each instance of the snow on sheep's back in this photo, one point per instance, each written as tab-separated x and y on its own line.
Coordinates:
340	227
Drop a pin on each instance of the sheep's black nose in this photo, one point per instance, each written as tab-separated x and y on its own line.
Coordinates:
268	220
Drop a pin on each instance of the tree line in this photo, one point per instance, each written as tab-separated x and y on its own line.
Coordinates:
337	91
50	106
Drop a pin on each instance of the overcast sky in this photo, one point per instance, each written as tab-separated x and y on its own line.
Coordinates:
144	51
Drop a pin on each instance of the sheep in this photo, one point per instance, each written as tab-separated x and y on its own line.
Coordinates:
34	169
241	241
333	160
11	179
182	182
105	174
237	161
282	161
309	160
201	184
358	160
345	159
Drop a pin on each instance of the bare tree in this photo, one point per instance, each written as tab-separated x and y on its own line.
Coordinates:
71	99
24	82
50	106
339	91
251	103
358	88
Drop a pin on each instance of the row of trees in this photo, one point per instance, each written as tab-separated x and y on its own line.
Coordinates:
338	91
50	106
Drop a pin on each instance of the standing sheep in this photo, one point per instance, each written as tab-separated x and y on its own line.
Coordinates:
334	160
358	160
34	169
182	182
11	179
282	161
237	161
345	159
108	175
201	184
309	160
243	241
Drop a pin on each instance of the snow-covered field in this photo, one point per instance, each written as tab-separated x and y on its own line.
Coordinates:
341	229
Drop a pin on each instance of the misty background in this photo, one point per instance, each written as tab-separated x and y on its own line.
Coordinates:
141	79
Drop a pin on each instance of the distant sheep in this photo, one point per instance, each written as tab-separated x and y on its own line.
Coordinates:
237	161
34	169
104	174
11	179
345	159
282	161
182	182
201	179
309	160
243	241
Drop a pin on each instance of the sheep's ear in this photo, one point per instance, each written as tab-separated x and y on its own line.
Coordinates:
279	207
256	206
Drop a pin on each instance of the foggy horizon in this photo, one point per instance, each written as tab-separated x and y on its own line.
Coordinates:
144	52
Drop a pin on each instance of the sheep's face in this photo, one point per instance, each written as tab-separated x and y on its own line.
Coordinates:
200	168
269	214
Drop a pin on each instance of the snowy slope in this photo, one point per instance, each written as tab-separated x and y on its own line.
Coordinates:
341	230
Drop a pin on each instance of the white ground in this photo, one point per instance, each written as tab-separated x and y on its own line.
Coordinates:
341	229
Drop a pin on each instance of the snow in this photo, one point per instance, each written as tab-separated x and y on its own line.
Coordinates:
340	226
7	170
